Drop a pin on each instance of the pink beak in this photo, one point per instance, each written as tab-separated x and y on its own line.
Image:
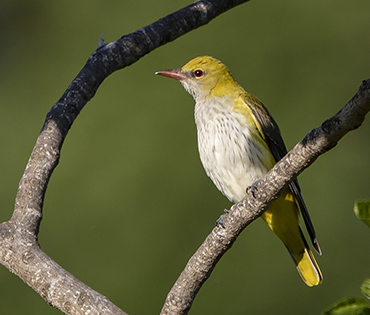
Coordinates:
173	73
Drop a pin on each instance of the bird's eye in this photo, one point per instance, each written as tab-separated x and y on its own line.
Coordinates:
198	73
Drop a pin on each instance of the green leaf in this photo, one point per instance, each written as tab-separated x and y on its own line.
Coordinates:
362	211
349	306
365	288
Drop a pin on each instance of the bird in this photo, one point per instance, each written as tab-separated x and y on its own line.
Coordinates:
238	143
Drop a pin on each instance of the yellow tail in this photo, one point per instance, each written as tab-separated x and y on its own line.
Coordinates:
282	218
308	268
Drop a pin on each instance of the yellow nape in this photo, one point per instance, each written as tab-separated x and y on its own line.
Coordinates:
216	80
224	111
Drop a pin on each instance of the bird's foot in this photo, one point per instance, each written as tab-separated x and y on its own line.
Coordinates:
220	220
252	189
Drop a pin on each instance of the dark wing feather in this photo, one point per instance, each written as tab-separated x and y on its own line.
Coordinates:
270	132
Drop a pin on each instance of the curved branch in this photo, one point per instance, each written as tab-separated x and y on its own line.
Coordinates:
19	248
103	62
222	237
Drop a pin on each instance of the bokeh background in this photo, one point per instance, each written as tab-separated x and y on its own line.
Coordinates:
129	202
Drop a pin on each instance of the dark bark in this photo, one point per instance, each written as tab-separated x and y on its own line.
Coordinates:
19	248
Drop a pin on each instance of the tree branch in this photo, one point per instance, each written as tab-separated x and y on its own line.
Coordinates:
222	237
19	248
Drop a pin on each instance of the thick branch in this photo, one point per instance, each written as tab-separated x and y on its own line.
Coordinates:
19	249
104	61
222	237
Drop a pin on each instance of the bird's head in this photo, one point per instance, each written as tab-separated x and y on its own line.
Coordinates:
204	77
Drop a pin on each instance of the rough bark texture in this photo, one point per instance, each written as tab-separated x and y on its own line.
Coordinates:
19	248
257	200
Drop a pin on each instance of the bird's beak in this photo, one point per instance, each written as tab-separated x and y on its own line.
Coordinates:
173	73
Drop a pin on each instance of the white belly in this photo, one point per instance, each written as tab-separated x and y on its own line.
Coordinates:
229	155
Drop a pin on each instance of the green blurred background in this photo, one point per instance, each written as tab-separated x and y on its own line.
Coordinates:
130	203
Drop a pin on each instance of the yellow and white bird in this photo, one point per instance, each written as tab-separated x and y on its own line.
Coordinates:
239	142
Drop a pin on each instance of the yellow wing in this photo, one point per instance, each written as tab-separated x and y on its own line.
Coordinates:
282	215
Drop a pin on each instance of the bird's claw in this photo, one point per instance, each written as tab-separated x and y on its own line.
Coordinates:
252	189
220	221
